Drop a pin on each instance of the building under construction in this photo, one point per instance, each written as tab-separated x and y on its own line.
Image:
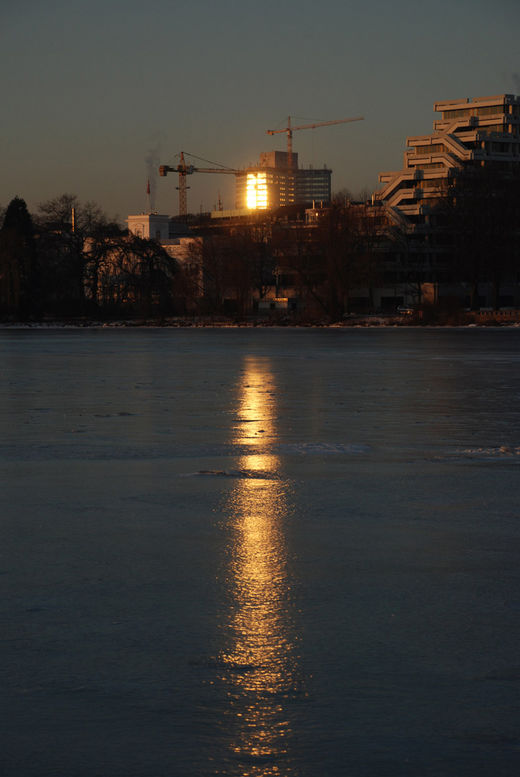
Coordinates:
273	183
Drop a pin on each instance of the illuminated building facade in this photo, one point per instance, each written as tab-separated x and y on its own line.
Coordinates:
149	226
481	132
271	184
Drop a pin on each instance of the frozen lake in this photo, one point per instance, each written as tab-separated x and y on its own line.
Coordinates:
260	552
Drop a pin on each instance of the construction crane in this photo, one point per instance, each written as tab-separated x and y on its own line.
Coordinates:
184	169
289	130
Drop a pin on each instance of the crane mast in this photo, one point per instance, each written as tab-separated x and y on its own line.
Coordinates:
183	170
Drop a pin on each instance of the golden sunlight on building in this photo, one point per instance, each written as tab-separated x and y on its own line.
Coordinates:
256	191
273	183
260	655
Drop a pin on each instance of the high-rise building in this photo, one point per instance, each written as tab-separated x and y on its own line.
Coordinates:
313	185
484	131
480	134
271	184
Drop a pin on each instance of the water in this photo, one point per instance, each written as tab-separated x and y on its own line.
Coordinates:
260	552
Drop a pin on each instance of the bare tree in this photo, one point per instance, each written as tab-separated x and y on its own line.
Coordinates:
370	230
89	218
129	273
480	210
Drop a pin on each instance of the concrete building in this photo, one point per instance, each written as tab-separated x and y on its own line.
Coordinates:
172	237
149	226
401	237
271	184
482	131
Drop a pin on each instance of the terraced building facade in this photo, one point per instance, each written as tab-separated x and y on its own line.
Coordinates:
472	132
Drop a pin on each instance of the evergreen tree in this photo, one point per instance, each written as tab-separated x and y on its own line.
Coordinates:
18	271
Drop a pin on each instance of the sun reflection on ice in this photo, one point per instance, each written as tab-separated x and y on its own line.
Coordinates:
259	660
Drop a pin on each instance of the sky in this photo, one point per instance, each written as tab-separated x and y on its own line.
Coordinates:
96	94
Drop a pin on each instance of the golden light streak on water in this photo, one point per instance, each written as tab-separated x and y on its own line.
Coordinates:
260	657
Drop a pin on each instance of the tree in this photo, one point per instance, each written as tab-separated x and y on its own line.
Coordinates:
339	238
369	226
62	269
411	260
249	263
89	218
298	253
68	264
213	263
129	273
346	240
18	269
153	273
481	211
58	211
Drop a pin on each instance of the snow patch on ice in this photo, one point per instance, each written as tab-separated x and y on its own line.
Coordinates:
498	452
233	473
326	448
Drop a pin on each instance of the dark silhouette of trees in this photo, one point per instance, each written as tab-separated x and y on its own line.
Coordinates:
299	264
233	265
332	257
151	275
256	246
19	286
370	238
249	264
128	273
411	262
328	262
480	211
64	261
212	259
54	270
61	266
89	218
339	238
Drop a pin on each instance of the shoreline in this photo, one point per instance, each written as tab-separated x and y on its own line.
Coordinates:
369	322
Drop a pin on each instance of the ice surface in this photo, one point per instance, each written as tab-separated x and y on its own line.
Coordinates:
260	552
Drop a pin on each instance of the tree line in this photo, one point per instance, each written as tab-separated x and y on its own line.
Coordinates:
470	235
48	268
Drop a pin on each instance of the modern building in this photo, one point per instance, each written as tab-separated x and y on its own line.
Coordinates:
271	184
313	185
404	247
483	132
478	132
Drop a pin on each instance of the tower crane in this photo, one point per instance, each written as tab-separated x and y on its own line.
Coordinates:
183	170
290	129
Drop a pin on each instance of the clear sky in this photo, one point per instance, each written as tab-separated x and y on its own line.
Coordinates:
96	92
